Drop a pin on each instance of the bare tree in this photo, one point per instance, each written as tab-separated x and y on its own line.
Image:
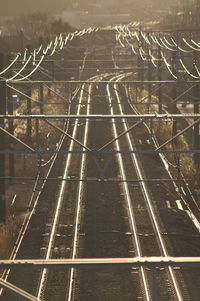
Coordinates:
29	27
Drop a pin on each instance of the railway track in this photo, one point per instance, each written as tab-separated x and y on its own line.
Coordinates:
60	218
146	196
97	217
48	231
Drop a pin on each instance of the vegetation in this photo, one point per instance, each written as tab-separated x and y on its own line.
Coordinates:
18	32
185	14
59	26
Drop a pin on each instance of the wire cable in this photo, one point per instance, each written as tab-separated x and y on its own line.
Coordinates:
181	49
187	71
189	45
34	69
195	43
20	71
168	66
11	64
166	46
171	45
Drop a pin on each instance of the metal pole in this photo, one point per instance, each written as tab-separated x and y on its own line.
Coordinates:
41	99
53	71
10	125
17	292
149	79
139	74
159	79
141	65
2	148
37	132
196	143
174	96
196	127
29	136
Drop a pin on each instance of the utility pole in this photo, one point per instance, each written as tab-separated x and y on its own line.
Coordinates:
196	143
29	123
173	109
140	64
159	79
28	105
41	93
2	146
174	93
196	127
10	124
149	78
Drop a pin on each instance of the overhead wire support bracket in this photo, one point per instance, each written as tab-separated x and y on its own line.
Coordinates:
18	140
102	116
38	82
67	135
179	134
17	291
137	262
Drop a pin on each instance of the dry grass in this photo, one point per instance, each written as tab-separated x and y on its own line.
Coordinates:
7	237
21	126
163	131
26	166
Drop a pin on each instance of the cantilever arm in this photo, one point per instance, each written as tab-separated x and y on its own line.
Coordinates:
69	136
17	291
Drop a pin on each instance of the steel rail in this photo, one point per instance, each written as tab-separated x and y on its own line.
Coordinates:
89	86
166	164
44	275
149	205
59	205
27	218
79	198
129	203
79	201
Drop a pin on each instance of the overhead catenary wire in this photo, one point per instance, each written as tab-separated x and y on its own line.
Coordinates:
170	44
11	64
168	66
124	32
195	43
33	71
166	46
187	71
189	45
26	60
180	48
21	70
140	51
